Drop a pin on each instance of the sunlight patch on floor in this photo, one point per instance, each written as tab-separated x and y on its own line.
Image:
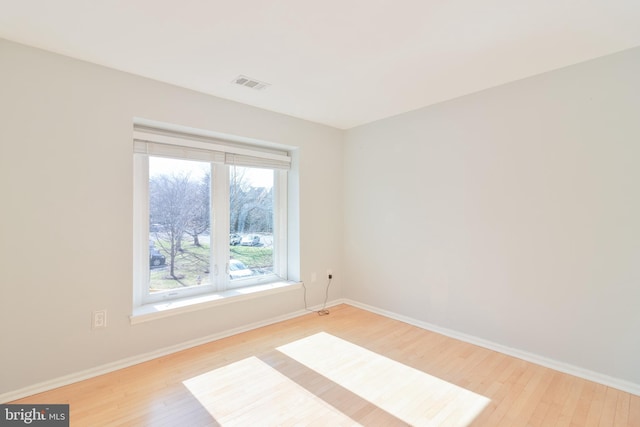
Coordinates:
252	393
407	393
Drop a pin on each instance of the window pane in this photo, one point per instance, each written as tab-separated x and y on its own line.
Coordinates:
179	224
251	222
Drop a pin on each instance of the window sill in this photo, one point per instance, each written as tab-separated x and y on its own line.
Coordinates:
158	310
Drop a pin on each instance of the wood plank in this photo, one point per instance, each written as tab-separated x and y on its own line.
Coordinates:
571	404
634	411
579	418
525	405
597	404
622	410
609	407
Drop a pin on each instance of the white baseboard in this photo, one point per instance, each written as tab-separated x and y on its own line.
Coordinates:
134	360
586	374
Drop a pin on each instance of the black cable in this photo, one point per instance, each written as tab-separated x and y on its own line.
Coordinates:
323	311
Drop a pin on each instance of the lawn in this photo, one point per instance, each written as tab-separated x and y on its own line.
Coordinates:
192	265
254	257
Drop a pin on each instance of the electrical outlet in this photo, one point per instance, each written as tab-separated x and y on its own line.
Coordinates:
99	319
314	277
330	273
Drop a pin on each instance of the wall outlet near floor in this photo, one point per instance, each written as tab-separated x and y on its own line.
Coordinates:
330	273
99	319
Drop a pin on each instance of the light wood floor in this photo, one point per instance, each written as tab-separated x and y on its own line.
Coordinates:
351	367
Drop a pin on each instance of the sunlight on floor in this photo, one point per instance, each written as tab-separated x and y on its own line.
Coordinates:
252	393
407	393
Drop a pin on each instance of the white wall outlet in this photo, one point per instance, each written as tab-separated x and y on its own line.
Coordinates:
330	273
314	277
99	319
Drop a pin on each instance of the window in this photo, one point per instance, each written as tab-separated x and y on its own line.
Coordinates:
209	215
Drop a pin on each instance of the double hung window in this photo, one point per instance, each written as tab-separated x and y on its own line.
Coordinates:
209	215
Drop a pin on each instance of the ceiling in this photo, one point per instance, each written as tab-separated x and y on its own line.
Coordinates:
338	62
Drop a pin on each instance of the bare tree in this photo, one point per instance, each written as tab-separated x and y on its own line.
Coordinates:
172	203
251	208
199	221
238	197
256	214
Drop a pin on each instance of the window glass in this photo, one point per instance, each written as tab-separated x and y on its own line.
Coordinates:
179	224
251	218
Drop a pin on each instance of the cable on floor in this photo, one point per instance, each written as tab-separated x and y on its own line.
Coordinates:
323	311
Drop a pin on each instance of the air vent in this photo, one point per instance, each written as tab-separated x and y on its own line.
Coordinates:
250	83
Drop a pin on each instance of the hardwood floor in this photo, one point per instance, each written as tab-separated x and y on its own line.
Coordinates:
351	367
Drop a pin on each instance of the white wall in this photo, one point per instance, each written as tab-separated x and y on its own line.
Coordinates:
66	212
512	215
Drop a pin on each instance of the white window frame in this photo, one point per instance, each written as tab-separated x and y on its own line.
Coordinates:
221	154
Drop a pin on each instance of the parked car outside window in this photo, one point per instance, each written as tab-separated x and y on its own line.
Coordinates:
237	270
250	240
156	259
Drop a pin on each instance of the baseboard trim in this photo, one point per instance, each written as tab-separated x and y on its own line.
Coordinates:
586	374
134	360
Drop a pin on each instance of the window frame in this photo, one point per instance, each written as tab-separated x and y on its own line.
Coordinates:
222	156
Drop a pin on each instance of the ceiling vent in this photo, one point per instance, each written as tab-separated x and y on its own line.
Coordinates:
250	83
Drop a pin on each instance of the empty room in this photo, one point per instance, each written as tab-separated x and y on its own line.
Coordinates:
291	213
